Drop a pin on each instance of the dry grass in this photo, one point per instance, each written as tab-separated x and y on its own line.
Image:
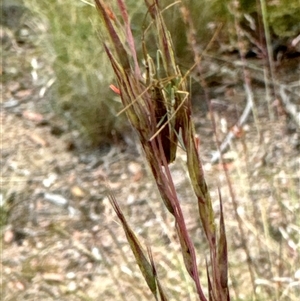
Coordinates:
65	36
136	105
80	252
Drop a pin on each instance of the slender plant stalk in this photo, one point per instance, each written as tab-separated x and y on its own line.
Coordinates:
159	108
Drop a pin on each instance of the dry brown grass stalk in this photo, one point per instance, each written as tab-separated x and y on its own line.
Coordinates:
159	108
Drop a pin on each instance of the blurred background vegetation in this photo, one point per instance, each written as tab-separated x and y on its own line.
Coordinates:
66	34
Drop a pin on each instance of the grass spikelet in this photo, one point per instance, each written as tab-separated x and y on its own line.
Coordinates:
140	255
159	108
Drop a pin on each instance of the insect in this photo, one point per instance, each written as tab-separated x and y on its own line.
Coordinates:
168	99
168	102
157	101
